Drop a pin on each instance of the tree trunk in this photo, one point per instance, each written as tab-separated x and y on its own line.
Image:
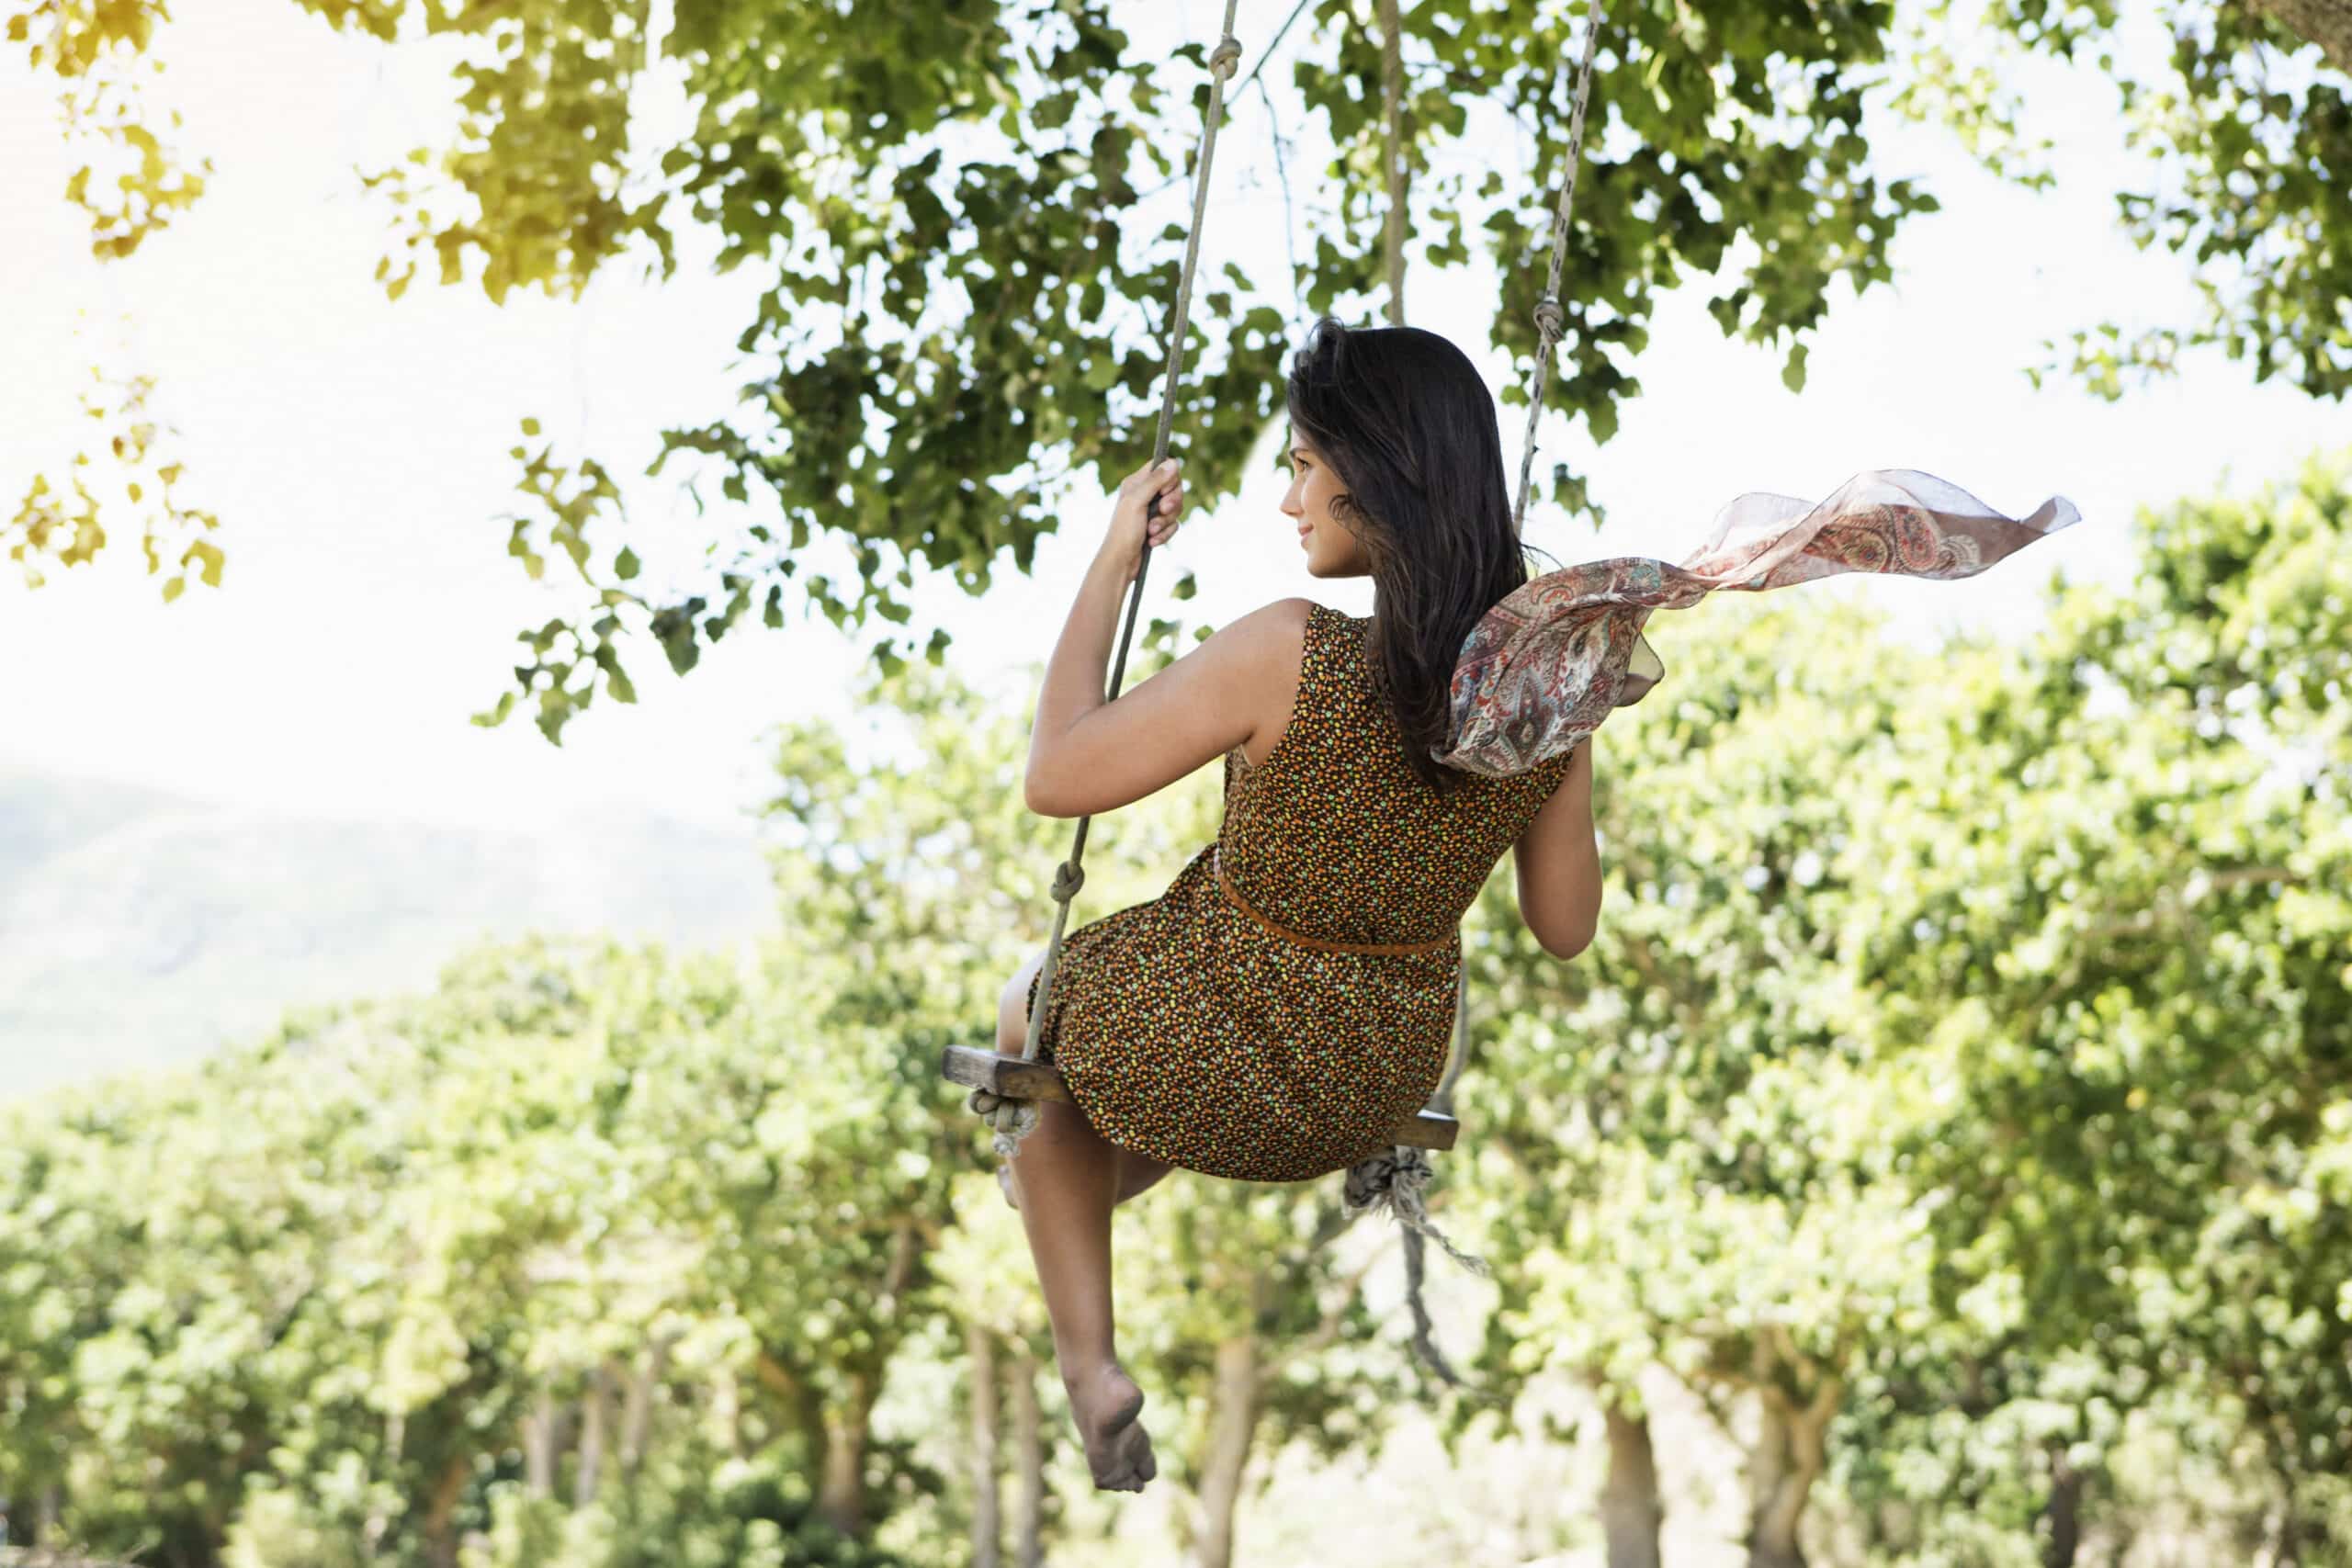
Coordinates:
595	1420
46	1514
1630	1511
1233	1422
1029	1459
2288	1538
841	1488
727	1412
539	1447
637	1418
1787	1460
2062	1513
988	1520
440	1540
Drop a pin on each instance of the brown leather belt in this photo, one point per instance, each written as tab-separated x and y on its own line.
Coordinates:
1225	884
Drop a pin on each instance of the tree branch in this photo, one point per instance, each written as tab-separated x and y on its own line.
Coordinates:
2165	908
2327	23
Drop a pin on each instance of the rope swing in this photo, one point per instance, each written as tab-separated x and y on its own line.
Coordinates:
1006	1090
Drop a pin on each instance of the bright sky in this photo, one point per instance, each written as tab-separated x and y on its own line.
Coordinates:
356	450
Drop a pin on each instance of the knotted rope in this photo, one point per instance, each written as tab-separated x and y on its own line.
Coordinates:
1550	319
1396	1179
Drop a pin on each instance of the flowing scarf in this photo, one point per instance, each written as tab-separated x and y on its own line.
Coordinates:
1547	665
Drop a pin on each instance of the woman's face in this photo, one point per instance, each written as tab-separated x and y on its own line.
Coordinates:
1330	548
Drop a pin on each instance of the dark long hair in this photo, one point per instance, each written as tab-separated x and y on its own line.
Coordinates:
1408	427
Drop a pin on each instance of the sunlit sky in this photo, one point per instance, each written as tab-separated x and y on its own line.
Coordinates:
356	449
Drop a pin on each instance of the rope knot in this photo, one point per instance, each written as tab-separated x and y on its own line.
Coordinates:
1393	1179
1013	1120
1549	319
1226	56
1068	877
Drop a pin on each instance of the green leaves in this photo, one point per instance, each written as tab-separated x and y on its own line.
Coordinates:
1792	371
43	525
1028	242
966	281
2250	174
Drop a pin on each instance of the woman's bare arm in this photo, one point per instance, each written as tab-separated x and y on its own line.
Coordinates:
1087	756
1559	862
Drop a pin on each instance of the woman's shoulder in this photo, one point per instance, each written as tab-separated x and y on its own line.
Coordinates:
1271	639
1282	622
1309	613
1287	632
1318	626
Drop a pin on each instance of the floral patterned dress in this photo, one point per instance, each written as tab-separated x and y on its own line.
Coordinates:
1289	998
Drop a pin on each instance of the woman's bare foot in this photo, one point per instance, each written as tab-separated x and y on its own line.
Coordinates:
1106	1404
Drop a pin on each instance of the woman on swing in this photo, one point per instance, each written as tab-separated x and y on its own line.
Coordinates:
1290	999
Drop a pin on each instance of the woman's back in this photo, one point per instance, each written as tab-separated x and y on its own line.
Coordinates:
1334	837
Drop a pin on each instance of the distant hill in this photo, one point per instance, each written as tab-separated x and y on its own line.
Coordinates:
137	927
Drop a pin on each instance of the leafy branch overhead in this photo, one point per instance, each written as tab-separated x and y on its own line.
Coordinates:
962	225
946	339
2253	128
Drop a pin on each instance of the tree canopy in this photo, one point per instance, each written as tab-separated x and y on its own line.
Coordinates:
963	310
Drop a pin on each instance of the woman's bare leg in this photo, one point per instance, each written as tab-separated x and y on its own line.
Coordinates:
1138	1172
1065	1179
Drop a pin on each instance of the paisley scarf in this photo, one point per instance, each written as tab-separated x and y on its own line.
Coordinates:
1547	664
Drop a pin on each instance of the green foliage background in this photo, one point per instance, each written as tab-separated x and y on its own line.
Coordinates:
1958	1099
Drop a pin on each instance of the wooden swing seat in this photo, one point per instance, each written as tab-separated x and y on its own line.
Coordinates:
1016	1079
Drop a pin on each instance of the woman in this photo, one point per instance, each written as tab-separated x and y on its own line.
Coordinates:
1289	998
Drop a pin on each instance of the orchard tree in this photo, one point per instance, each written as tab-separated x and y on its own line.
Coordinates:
2248	129
2137	981
2023	975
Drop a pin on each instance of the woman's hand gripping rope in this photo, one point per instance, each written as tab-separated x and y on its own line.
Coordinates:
1149	504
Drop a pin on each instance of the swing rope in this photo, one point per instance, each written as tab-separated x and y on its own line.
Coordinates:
1549	318
1013	1119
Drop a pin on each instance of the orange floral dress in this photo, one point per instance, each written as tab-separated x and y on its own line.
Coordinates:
1289	998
